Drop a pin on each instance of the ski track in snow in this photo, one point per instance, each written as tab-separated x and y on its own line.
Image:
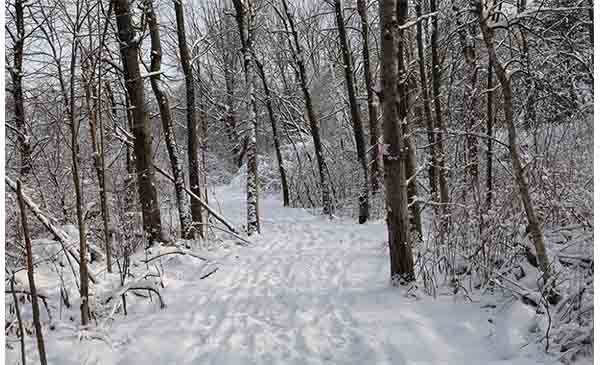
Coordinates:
308	291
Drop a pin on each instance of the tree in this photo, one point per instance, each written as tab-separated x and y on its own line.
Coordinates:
359	137
394	159
191	116
140	123
183	206
245	17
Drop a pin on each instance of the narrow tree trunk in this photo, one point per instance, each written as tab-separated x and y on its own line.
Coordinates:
470	106
17	91
359	136
535	230
374	127
245	15
276	142
141	126
401	260
32	289
490	133
19	320
183	206
442	173
296	51
404	90
191	116
427	110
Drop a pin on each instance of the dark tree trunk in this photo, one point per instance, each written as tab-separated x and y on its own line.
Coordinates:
374	125
401	260
141	125
276	142
490	133
296	51
32	289
427	110
17	91
442	172
359	136
183	207
191	117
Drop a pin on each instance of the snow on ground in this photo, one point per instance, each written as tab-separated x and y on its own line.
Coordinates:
307	291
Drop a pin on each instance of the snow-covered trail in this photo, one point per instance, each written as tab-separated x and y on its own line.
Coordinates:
307	291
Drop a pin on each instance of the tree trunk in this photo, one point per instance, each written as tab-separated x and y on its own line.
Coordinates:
442	172
245	16
17	91
534	226
141	125
32	289
359	136
296	51
276	142
404	90
191	117
185	217
374	127
490	133
427	110
401	260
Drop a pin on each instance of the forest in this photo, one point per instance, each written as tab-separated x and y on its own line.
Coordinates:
299	181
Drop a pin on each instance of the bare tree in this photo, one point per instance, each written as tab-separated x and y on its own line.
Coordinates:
140	124
183	206
359	137
394	160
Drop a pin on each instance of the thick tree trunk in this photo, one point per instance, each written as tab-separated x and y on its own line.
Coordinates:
17	91
276	142
394	159
374	125
427	110
245	16
535	230
32	289
359	136
191	117
141	126
183	206
296	51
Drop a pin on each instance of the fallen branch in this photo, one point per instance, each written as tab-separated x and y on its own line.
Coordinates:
183	253
63	238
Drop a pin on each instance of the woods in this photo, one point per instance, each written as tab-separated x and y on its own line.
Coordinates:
139	130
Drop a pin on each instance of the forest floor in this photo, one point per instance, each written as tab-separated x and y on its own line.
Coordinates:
308	290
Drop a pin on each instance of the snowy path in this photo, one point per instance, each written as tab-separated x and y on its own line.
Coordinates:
308	291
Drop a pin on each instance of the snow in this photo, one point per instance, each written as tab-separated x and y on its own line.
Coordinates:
308	290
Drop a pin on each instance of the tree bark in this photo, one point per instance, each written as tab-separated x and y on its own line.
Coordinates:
535	230
183	206
442	172
191	117
359	136
401	260
490	133
276	142
374	125
433	180
34	298
17	91
245	16
296	51
141	125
